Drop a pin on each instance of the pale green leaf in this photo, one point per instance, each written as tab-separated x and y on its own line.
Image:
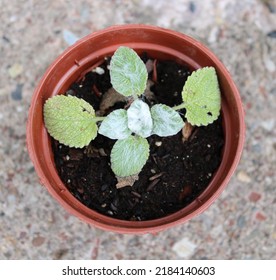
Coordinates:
69	120
128	156
128	73
115	126
201	96
166	121
139	118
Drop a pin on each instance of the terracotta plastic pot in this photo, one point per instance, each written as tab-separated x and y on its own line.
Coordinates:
158	43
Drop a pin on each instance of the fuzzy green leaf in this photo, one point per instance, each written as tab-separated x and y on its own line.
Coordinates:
69	120
128	156
128	73
201	96
115	126
139	118
166	121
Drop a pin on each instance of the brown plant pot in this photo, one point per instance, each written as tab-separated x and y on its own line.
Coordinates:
158	43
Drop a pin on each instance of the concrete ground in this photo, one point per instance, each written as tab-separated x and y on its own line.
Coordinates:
239	225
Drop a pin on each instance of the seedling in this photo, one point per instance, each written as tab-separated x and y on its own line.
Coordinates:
73	122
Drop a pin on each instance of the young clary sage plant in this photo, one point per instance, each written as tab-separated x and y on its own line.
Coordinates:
73	122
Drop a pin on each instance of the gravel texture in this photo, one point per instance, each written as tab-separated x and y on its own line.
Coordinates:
239	225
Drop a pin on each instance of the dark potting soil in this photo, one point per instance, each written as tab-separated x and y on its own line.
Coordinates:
175	173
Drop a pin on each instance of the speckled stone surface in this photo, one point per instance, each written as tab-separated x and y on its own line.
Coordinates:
239	225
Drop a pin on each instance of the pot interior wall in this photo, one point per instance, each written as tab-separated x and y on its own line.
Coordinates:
158	43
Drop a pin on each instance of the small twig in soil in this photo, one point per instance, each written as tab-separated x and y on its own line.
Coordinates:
152	184
96	91
165	156
155	160
136	194
152	178
113	207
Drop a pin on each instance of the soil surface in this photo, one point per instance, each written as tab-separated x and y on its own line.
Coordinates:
175	173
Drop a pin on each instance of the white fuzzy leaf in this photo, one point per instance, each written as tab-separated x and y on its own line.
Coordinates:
114	126
139	118
128	72
128	156
166	121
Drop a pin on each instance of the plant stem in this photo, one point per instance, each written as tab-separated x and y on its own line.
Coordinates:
98	119
179	107
135	96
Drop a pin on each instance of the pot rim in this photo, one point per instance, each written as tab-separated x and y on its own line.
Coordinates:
123	226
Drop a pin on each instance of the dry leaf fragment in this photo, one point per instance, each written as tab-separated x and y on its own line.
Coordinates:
187	131
110	98
148	93
126	181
